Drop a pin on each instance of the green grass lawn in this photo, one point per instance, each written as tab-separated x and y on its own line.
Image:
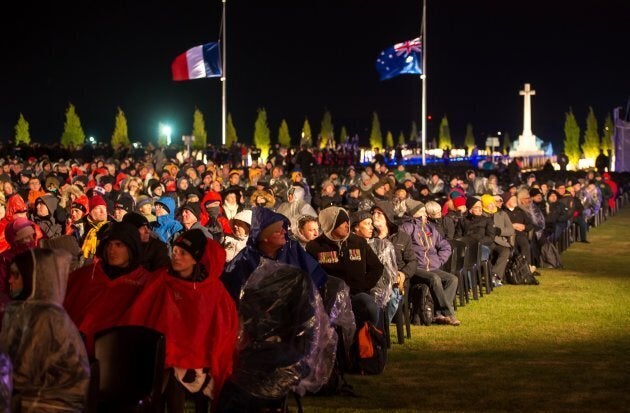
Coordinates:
563	345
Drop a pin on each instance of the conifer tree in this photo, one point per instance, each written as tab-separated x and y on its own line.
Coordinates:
444	138
326	133
120	137
401	138
73	134
571	138
506	143
262	134
413	135
199	130
307	135
230	131
22	135
343	135
284	138
591	136
389	140
376	136
607	135
469	139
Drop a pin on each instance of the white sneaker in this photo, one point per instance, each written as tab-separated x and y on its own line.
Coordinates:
532	268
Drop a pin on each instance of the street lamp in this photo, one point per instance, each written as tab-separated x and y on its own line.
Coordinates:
166	130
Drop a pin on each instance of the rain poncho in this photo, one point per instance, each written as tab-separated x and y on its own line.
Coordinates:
50	365
285	338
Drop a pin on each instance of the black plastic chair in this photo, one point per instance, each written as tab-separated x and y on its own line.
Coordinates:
459	264
131	362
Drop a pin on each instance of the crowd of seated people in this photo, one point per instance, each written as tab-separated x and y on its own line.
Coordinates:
139	230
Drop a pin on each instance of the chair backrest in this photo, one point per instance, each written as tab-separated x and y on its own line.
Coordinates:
459	256
131	361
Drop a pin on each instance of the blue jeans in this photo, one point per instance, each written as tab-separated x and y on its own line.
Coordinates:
364	308
393	303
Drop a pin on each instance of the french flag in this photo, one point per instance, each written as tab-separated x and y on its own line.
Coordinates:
198	62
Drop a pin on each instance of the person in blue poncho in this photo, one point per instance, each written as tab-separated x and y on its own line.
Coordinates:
166	224
268	239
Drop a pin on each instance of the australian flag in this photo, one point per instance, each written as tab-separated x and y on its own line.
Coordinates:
401	58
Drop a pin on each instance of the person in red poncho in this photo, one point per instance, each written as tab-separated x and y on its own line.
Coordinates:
189	305
99	294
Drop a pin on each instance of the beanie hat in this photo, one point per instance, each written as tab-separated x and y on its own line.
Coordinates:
328	218
455	194
142	200
506	196
486	201
342	217
552	192
136	219
534	191
471	201
193	207
95	201
18	229
358	216
124	232
82	179
194	242
124	201
82	203
433	208
459	202
413	206
106	179
244	216
155	185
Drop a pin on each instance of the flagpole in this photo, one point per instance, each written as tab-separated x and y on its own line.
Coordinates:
424	81
224	76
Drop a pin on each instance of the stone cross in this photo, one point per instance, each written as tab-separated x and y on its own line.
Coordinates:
527	141
527	109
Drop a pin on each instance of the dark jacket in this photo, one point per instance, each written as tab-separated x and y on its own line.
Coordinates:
405	257
247	260
352	260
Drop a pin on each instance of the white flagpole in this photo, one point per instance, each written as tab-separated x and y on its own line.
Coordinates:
424	81
223	76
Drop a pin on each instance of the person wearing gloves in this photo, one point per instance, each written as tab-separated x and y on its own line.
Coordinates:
188	304
51	371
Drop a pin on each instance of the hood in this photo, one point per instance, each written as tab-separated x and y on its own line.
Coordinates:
49	275
261	218
170	204
298	193
50	201
210	196
15	204
328	217
388	211
11	230
213	259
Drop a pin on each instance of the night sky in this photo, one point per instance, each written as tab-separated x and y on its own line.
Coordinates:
297	59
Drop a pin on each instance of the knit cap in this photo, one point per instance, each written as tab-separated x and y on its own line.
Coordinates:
96	200
194	242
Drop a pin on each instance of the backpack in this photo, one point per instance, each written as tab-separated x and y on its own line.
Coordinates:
369	350
518	271
550	256
422	304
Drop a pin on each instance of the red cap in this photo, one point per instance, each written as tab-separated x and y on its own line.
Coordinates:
97	200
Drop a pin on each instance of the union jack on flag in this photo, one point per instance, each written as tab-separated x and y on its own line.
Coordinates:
401	58
409	46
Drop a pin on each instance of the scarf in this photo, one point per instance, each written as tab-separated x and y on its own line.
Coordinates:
91	240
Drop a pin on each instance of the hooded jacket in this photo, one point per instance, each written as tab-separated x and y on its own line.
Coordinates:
49	224
431	249
51	368
350	259
198	319
243	265
296	209
99	294
166	225
405	258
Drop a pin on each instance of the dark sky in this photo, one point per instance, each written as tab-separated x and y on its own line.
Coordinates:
299	58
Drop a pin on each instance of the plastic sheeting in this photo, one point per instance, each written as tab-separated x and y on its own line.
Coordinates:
285	340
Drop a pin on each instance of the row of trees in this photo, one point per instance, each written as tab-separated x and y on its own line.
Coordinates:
73	134
593	142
